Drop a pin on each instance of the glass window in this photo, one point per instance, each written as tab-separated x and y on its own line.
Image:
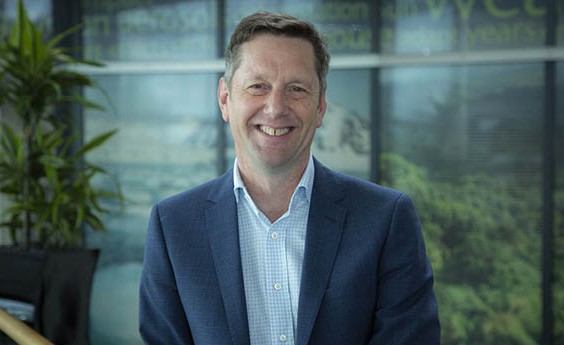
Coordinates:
426	27
347	25
343	141
166	143
466	144
149	30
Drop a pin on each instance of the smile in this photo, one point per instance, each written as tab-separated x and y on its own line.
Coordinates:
274	132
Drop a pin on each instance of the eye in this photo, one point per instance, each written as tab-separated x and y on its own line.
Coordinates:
297	91
257	89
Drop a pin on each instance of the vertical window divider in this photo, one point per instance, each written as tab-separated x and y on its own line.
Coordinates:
549	140
221	41
68	14
376	104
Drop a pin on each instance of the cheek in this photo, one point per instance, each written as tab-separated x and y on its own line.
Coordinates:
243	109
238	122
235	124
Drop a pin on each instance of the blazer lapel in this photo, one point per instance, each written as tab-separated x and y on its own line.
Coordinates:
223	230
325	225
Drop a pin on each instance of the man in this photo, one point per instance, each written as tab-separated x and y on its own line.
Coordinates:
282	250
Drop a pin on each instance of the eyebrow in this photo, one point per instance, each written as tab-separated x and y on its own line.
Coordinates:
262	78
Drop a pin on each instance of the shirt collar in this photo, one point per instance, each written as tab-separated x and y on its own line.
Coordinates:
305	184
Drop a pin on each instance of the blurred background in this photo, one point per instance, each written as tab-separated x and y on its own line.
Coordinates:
460	104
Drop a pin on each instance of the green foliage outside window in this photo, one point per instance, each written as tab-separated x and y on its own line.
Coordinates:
484	242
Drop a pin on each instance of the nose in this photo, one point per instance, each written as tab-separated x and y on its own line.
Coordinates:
276	103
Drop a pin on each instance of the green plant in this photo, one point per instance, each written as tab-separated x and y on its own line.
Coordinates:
43	170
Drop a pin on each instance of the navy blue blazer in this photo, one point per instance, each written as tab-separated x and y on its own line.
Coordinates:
366	278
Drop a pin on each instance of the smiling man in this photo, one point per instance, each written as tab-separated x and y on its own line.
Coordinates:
281	249
273	104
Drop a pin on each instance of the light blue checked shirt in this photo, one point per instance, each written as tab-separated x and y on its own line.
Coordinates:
272	256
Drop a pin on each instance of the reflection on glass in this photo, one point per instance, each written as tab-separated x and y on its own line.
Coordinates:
149	30
466	144
166	144
427	27
347	25
343	141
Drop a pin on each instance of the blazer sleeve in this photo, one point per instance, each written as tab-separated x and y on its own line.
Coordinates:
161	317
406	309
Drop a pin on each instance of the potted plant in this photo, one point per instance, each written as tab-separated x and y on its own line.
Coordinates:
47	182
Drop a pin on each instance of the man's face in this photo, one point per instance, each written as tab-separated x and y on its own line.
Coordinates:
274	103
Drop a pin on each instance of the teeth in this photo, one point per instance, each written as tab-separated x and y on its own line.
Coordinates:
274	132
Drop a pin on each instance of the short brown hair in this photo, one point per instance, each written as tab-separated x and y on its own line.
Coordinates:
278	25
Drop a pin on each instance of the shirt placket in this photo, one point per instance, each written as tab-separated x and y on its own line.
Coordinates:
278	293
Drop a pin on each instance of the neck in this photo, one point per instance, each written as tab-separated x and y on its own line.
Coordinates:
271	192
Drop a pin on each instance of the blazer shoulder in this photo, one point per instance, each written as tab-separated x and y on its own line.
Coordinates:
370	187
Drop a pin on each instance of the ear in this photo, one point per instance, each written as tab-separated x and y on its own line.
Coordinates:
321	108
222	97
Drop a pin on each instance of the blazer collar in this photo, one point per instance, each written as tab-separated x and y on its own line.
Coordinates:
223	232
325	225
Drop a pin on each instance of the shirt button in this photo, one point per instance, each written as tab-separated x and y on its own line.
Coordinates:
274	235
277	286
282	338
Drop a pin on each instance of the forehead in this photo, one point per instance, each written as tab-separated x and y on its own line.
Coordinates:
278	52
